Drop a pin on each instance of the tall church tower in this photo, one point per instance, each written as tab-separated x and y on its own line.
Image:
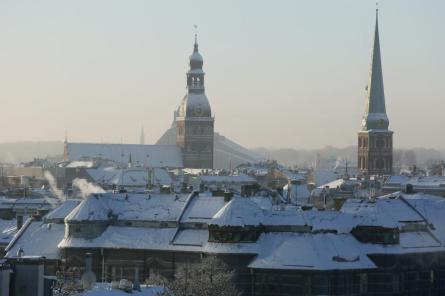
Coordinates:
375	139
194	121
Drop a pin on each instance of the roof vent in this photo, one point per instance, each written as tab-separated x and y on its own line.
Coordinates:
409	189
228	196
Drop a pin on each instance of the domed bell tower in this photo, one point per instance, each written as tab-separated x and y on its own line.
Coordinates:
194	121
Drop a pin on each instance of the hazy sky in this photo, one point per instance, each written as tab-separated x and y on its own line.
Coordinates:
278	73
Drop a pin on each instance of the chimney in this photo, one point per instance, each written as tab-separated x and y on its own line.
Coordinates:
19	221
409	189
88	278
228	196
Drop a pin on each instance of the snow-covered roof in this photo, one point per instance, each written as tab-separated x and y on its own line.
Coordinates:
230	179
7	230
114	237
324	176
320	240
63	210
239	212
417	181
80	164
146	207
291	175
133	177
191	237
298	193
145	155
387	212
302	251
38	239
202	208
29	203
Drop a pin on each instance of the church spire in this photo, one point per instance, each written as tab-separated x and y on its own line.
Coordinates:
195	76
375	113
195	46
142	137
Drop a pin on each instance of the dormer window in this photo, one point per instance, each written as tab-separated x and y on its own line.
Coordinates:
233	234
376	235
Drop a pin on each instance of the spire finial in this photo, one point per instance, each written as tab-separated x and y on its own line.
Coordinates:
196	37
376	10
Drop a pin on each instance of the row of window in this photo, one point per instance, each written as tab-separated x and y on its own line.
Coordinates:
350	284
375	163
199	148
233	236
375	143
196	130
376	235
196	81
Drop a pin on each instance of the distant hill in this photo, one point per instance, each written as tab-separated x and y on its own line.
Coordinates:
26	151
301	157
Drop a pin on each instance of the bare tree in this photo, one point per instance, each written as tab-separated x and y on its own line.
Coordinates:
210	277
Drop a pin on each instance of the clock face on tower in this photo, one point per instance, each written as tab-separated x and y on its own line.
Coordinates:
381	123
197	109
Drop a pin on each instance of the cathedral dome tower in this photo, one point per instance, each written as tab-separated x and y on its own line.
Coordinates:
194	121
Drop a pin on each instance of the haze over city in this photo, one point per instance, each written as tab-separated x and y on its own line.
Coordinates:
231	148
278	74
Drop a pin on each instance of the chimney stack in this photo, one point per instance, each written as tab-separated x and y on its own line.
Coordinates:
88	278
228	196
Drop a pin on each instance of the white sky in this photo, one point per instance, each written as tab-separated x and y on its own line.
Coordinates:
278	73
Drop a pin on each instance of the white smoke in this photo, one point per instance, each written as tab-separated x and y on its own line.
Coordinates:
338	162
53	186
86	188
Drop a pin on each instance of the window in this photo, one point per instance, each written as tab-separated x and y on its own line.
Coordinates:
363	283
396	283
380	143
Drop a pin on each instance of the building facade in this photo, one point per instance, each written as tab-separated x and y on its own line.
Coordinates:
375	145
194	121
